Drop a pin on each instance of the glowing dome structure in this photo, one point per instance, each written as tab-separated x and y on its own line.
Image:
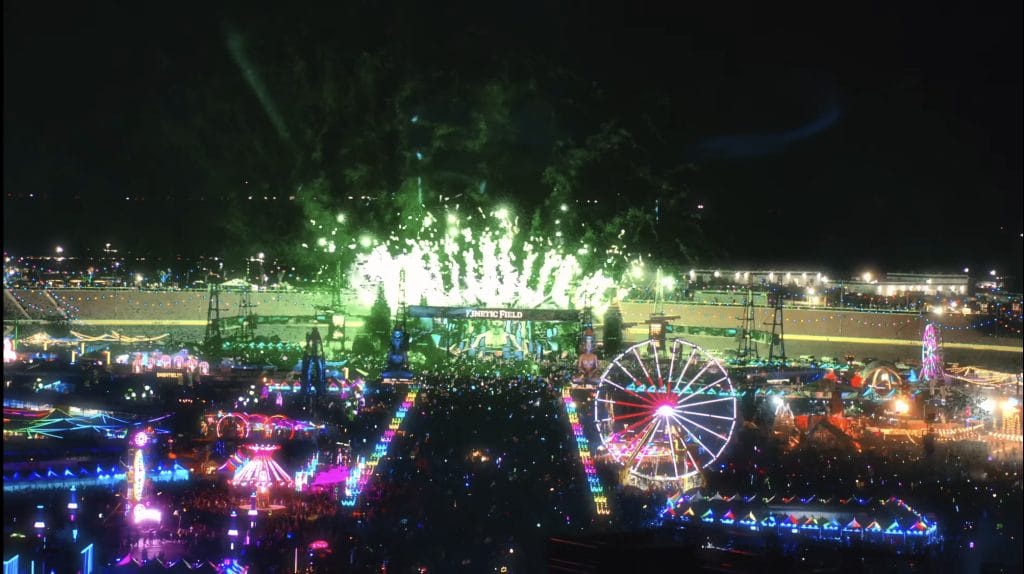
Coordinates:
881	377
261	471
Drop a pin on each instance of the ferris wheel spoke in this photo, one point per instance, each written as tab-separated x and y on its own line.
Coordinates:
696	465
657	366
627	428
702	427
711	453
640	361
631	415
693	413
695	378
698	403
702	389
672	451
672	360
643	443
689	361
624	370
637	446
624	389
609	401
628	374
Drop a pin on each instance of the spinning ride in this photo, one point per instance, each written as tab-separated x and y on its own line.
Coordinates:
665	412
261	471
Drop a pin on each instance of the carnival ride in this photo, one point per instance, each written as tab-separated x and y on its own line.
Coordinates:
931	354
880	379
134	473
665	412
42	421
261	471
240	426
138	502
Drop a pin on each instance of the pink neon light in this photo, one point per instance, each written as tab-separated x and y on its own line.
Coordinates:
140	439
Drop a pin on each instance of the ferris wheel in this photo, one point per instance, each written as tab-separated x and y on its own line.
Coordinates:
665	413
931	353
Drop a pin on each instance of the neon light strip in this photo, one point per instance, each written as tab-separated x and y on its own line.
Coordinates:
139	475
102	479
363	470
927	529
593	482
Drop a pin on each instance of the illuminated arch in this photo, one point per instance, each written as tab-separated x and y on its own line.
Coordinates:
241	423
881	377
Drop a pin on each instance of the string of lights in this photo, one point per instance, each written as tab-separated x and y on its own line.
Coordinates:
67	307
839	523
363	470
916	319
583	449
44	310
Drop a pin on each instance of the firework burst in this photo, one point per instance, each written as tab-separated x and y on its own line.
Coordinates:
484	259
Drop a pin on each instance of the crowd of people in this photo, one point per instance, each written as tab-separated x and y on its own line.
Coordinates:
974	497
482	476
484	470
479	477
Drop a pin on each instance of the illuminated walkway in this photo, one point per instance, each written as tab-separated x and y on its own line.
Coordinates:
363	471
583	450
481	478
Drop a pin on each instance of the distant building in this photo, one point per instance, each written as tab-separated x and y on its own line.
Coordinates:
892	284
756	278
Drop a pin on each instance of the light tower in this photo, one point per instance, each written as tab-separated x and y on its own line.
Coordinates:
777	346
40	527
233	532
136	476
253	513
72	511
40	524
213	309
746	345
246	317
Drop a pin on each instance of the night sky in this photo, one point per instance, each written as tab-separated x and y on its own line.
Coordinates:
886	137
